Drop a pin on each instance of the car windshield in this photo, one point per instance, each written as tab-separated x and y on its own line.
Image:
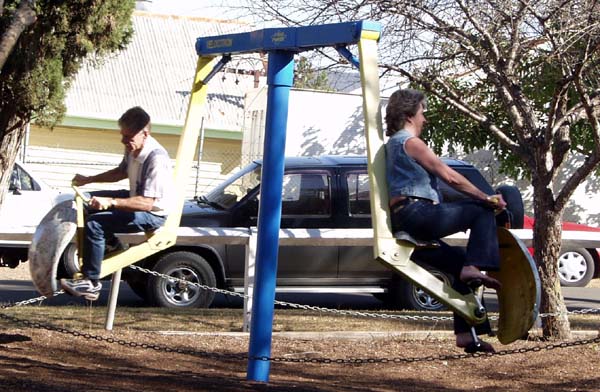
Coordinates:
234	188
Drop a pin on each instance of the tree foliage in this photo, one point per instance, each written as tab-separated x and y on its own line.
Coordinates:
520	77
306	76
43	45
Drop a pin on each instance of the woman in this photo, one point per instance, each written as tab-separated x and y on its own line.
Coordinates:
412	170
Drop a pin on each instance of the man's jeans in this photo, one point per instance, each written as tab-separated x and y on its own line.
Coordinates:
426	221
100	226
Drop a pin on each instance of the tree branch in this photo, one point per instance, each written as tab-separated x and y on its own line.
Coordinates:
448	95
23	17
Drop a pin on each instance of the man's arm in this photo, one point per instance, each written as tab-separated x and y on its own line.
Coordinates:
131	204
112	175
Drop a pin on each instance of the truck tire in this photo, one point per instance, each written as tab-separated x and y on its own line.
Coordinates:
139	287
575	267
514	204
69	262
186	266
411	297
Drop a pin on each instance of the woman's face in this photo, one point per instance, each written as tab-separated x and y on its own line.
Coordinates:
418	120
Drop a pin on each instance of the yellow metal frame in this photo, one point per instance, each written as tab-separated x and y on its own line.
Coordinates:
166	236
392	253
387	250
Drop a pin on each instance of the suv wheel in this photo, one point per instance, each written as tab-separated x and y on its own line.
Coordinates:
413	297
575	267
69	262
188	267
139	287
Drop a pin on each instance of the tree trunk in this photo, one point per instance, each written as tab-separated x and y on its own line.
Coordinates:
23	17
546	241
9	148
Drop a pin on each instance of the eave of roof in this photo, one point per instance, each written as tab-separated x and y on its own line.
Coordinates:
155	71
87	122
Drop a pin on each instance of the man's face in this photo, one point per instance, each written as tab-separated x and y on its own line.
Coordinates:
134	141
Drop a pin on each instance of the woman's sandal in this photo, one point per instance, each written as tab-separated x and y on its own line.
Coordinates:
479	346
476	279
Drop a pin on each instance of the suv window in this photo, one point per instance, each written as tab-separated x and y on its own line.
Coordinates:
306	194
358	193
358	189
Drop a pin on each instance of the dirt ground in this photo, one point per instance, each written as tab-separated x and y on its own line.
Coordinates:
35	359
38	360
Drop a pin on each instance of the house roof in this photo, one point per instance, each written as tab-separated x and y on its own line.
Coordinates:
156	71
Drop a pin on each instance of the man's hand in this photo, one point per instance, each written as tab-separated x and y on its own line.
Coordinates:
80	180
101	203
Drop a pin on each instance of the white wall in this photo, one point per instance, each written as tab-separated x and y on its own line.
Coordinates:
56	167
321	123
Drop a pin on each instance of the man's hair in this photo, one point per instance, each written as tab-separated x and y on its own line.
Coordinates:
402	105
134	119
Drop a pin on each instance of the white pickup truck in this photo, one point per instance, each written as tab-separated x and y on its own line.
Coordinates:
27	201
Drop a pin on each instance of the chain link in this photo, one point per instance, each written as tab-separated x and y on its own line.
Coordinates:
295	305
344	361
122	342
31	301
320	360
431	358
335	311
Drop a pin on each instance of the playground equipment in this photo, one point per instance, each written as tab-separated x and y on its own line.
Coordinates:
281	45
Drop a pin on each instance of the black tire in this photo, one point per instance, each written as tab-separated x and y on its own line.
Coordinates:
383	297
514	204
411	297
139	287
69	263
575	267
186	266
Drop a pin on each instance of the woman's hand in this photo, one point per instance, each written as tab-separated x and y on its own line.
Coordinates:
496	201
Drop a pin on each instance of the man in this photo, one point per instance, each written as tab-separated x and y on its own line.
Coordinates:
144	208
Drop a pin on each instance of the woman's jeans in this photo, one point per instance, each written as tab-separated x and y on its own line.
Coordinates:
427	221
100	227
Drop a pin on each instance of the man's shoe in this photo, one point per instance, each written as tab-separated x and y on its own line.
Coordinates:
82	288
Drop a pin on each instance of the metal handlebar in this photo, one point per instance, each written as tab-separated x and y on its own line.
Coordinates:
80	194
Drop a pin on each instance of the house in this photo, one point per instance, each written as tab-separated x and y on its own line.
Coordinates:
155	71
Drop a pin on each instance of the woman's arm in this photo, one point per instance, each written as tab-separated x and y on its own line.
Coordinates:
418	150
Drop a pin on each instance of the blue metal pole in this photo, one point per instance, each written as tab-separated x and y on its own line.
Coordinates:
280	78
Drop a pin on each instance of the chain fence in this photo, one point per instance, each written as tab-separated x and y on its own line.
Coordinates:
314	360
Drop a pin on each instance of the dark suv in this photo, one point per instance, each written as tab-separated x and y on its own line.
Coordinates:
318	192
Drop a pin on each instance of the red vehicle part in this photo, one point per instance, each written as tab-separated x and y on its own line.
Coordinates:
576	266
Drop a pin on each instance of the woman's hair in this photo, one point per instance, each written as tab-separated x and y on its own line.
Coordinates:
402	105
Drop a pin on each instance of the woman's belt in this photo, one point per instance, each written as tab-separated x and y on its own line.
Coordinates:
400	202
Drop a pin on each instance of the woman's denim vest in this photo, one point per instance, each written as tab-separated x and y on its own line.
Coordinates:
405	176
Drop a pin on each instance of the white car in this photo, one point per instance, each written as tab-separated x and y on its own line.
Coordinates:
26	203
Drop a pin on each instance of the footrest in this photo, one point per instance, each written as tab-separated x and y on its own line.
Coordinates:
519	298
404	236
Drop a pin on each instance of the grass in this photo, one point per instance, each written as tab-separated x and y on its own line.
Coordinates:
215	320
230	320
